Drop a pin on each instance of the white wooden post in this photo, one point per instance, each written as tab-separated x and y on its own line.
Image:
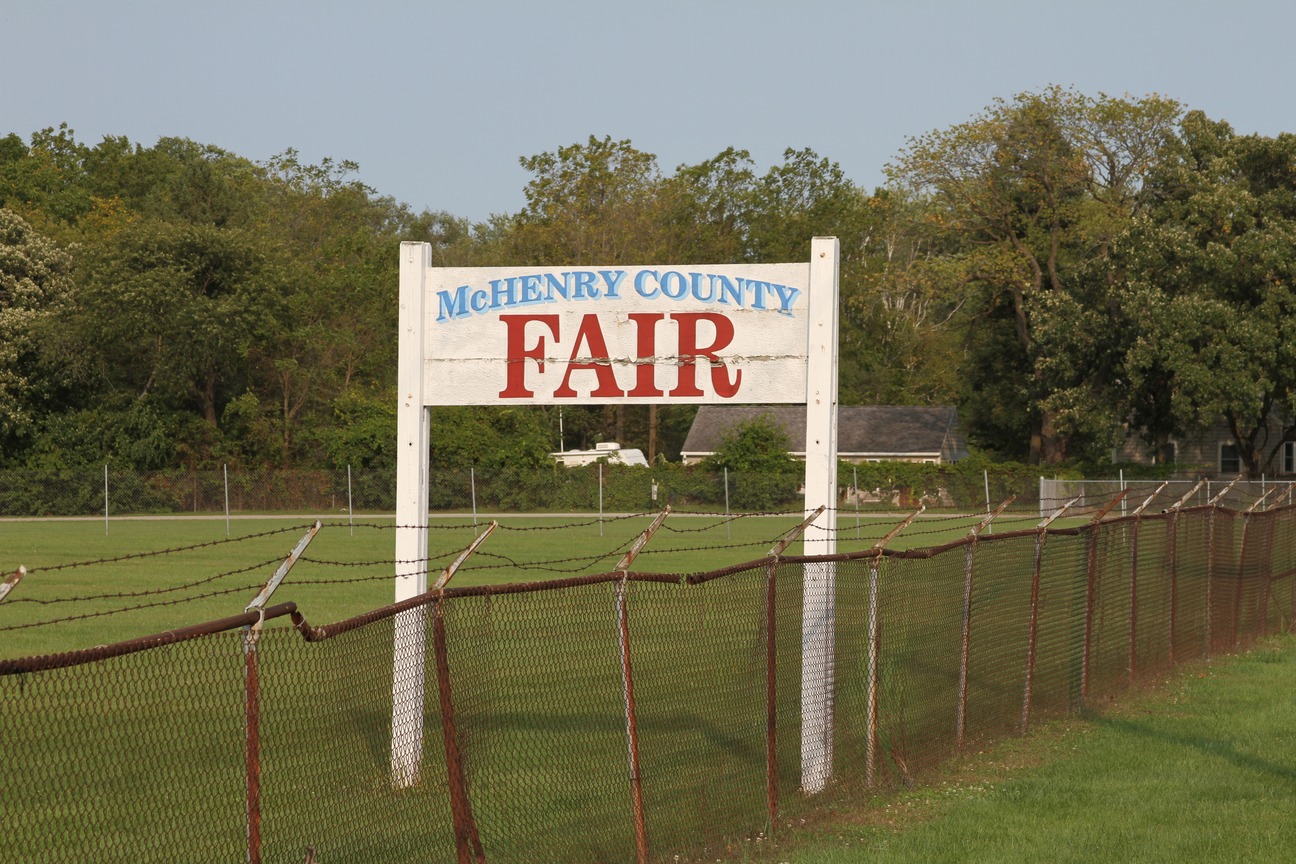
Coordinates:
412	425
818	612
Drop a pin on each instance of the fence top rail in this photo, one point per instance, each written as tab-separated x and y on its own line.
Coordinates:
43	662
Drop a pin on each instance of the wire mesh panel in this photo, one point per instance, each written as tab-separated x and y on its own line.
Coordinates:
131	758
325	750
611	717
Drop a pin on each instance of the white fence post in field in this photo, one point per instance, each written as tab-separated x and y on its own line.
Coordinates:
818	614
105	500
412	428
225	476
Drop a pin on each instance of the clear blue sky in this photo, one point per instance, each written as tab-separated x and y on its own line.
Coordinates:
438	100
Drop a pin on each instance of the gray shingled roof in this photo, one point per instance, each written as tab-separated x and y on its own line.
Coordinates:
861	429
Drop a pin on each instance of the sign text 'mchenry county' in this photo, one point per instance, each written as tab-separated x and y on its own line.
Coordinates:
585	285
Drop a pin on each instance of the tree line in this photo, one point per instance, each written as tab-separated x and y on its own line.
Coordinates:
1066	269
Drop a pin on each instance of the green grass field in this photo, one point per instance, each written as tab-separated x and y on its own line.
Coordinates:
347	569
149	746
1200	769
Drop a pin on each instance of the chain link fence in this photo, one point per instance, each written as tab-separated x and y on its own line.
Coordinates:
616	717
107	492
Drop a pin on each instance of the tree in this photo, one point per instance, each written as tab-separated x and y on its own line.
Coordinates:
35	276
1208	284
754	455
168	314
1035	190
592	203
758	444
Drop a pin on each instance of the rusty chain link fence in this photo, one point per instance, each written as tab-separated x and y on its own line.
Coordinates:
627	716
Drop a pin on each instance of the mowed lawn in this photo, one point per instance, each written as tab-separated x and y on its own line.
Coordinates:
143	576
1200	769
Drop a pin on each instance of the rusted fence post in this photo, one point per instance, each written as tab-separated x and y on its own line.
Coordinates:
1133	598
1210	562
1040	536
1266	566
874	649
1091	587
771	666
1242	562
252	696
627	687
965	659
468	845
1172	558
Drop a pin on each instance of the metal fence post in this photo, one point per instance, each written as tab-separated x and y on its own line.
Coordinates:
627	682
252	697
728	535
105	499
874	649
771	666
1133	598
1091	588
225	475
965	658
856	495
1033	632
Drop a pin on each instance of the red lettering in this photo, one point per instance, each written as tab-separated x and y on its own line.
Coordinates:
645	350
590	333
517	353
689	351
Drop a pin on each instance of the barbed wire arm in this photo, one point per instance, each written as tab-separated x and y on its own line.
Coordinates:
1108	507
1139	509
263	595
1057	514
448	573
894	532
10	581
641	541
990	517
1224	491
1178	505
790	537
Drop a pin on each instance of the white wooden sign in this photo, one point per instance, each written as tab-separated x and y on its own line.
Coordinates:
677	334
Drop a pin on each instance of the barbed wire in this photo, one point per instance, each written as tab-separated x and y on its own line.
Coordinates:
169	551
107	612
122	595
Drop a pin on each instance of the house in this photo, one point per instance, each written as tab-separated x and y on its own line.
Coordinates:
865	433
1214	453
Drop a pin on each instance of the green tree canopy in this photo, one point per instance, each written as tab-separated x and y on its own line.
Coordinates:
1209	272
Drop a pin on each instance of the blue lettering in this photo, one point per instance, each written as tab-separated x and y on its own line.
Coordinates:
452	305
530	291
554	285
641	282
480	301
729	292
585	287
673	285
787	296
503	292
612	278
696	289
